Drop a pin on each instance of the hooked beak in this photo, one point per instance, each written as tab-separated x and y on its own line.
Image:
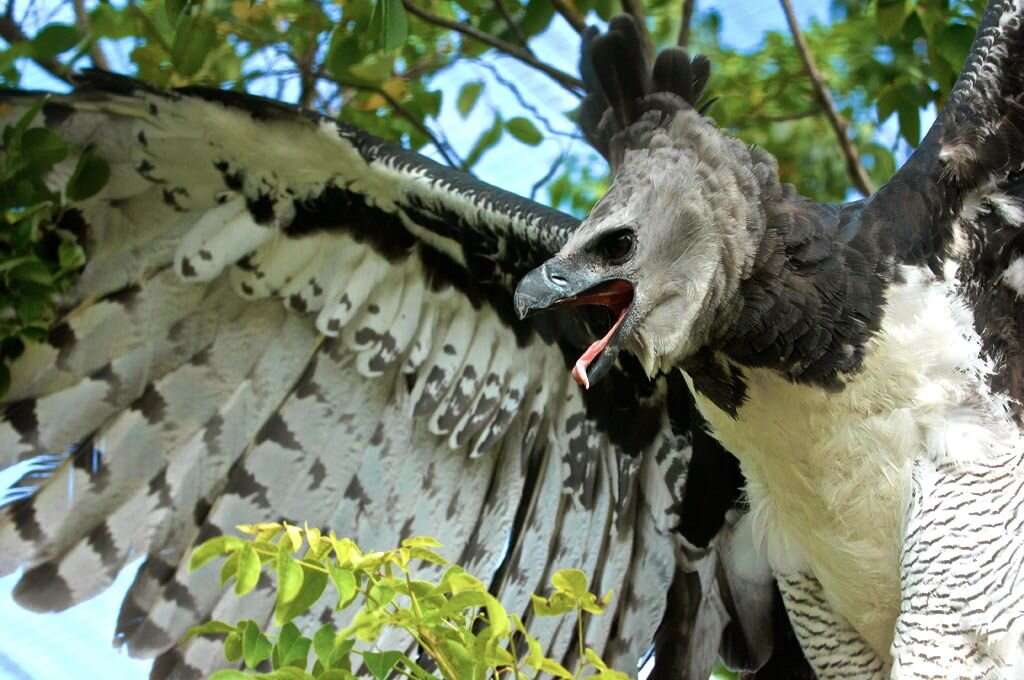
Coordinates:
553	284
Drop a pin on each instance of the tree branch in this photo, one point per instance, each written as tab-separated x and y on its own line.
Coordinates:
307	75
570	14
854	168
12	33
99	60
570	83
512	24
684	27
635	9
444	149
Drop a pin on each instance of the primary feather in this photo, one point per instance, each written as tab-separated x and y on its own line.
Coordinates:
320	328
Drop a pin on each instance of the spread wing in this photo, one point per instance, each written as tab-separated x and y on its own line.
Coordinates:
283	317
960	197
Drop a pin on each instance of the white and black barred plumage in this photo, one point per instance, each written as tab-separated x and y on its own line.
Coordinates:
862	361
283	317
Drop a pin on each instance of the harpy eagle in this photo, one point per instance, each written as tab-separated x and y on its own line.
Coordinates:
319	327
863	361
859	359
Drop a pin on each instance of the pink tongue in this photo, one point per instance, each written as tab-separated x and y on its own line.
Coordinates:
579	371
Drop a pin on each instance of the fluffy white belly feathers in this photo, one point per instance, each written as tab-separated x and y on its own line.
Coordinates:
829	472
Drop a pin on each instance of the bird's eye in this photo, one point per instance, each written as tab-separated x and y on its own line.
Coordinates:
617	246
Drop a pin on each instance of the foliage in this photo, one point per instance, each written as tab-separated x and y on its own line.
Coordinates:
39	252
376	64
462	629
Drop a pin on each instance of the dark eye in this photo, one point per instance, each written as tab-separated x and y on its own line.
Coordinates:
617	246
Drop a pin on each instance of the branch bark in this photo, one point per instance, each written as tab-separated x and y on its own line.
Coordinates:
512	24
854	168
570	83
684	27
12	33
99	59
635	9
570	14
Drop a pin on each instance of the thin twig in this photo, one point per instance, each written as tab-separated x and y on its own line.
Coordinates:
444	149
570	83
151	27
570	14
684	27
513	24
12	33
99	60
307	76
635	9
517	93
547	177
854	168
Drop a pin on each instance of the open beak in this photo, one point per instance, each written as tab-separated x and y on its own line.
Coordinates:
554	285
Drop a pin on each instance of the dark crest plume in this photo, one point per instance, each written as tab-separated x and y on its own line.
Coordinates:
622	88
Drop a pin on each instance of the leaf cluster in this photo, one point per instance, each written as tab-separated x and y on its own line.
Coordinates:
40	253
462	630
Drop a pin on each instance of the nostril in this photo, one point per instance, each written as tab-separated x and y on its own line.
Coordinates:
558	279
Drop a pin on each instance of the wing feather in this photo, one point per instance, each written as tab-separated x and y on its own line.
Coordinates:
316	327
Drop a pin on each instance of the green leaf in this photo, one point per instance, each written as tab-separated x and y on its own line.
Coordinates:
468	95
195	37
345	583
887	102
256	648
889	17
910	122
524	130
215	547
70	255
323	643
389	23
466	600
556	669
174	8
248	570
497	616
486	141
233	647
557	605
42	148
313	584
209	628
955	43
289	577
229	569
91	174
381	664
380	595
572	582
292	649
422	542
54	39
336	674
229	674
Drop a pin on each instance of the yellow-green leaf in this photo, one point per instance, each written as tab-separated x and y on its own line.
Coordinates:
524	130
215	547
248	570
289	577
572	582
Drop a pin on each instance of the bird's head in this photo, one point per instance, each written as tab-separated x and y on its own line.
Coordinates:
665	250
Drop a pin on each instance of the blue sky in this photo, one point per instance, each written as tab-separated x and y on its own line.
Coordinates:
77	643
